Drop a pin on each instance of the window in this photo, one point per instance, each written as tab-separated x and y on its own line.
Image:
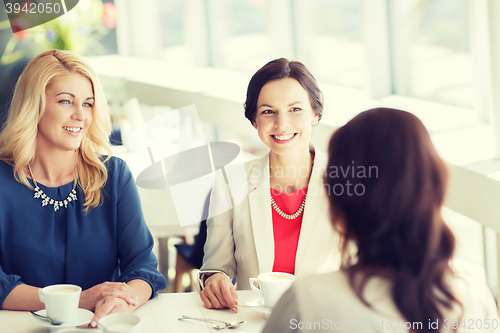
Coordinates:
432	56
171	13
240	34
172	30
332	46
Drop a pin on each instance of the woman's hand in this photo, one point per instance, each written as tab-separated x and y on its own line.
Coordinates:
109	305
90	297
117	297
219	293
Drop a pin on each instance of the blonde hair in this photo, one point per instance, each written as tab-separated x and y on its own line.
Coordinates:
18	137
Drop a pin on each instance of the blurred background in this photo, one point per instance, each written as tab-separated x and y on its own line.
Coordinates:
439	59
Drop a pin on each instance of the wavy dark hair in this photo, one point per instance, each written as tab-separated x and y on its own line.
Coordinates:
395	219
280	69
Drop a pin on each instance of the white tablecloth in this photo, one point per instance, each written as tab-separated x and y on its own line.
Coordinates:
160	315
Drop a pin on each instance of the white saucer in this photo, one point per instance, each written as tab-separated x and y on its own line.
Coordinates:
257	304
83	317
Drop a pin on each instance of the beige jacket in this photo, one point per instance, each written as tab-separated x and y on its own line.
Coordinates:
240	241
326	303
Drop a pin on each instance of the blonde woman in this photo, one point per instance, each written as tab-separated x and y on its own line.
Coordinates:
69	212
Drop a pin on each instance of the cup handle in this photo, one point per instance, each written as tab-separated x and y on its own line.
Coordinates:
40	295
252	280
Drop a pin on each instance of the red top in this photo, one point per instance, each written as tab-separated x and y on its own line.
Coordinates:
286	232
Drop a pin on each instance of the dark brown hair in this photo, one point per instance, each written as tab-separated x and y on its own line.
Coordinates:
280	69
396	222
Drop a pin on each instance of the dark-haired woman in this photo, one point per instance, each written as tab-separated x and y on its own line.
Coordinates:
283	223
399	279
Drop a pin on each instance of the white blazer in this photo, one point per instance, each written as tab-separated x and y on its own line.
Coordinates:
240	242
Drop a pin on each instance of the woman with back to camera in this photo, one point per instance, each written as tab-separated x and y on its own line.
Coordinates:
400	272
69	212
282	225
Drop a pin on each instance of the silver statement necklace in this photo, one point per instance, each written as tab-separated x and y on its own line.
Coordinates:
46	200
298	212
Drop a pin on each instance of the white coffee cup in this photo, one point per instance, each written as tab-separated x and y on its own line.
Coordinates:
120	323
61	301
272	285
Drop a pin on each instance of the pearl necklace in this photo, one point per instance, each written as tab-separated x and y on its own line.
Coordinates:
302	205
285	215
47	200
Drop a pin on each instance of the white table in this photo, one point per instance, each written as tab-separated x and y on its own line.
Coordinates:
160	315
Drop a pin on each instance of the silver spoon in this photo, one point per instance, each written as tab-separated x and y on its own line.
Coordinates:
218	327
232	324
45	318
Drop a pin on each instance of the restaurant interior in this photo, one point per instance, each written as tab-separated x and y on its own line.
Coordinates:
175	75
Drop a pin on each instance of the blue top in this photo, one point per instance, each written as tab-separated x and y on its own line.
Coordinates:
41	247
